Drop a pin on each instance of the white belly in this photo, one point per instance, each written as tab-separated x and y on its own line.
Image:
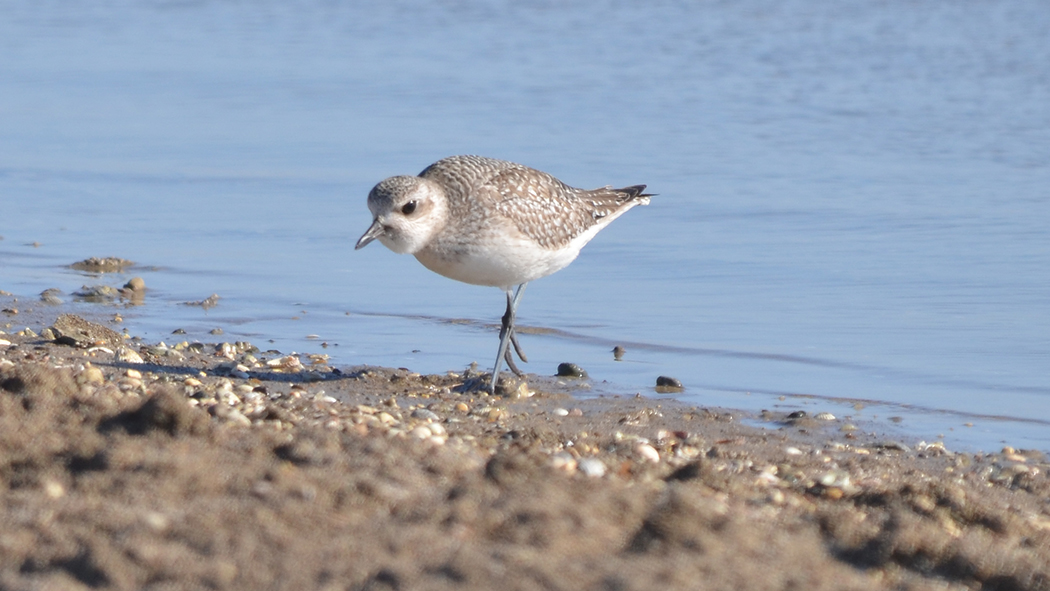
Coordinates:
513	262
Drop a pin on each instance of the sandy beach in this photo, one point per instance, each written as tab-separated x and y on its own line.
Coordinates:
128	465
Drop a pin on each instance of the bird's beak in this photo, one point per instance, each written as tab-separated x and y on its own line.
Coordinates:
374	231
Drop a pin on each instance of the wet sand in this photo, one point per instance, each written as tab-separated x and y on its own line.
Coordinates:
126	465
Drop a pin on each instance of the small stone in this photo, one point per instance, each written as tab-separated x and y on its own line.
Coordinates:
179	331
647	452
136	284
216	331
893	446
592	467
156	521
571	370
50	296
421	433
462	407
422	413
102	264
208	302
563	461
75	331
792	451
91	375
668	383
561	412
798	414
5	343
618	352
237	418
133	373
128	356
54	489
97	293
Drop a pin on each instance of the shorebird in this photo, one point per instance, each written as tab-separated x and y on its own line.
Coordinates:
490	222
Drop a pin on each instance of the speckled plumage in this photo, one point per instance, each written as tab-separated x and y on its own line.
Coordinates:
539	205
491	222
524	222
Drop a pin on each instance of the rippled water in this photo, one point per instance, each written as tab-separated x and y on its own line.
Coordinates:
853	196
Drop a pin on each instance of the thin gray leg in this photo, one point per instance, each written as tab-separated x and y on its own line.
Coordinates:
506	332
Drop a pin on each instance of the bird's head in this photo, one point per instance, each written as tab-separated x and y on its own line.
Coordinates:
406	213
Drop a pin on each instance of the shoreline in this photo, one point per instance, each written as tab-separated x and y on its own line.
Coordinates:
126	463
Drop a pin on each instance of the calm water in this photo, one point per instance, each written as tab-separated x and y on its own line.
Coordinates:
854	197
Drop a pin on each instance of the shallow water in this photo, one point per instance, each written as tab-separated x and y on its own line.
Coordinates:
853	197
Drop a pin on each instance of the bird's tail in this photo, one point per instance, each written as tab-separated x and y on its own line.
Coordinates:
634	193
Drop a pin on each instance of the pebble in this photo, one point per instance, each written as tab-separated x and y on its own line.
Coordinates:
647	452
792	451
54	489
237	417
422	413
668	382
561	412
618	352
571	370
893	446
5	343
50	296
289	364
592	467
128	356
216	331
421	432
136	284
97	292
563	460
91	375
102	264
209	302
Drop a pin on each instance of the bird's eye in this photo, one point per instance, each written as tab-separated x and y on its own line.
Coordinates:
408	208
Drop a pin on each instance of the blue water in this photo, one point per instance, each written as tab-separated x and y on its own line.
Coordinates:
854	197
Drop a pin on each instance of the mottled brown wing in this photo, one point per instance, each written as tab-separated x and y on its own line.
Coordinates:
463	175
549	211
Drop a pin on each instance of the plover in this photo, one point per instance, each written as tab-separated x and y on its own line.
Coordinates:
491	222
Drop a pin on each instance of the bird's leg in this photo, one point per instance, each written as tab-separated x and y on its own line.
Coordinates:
514	335
509	358
506	337
517	347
